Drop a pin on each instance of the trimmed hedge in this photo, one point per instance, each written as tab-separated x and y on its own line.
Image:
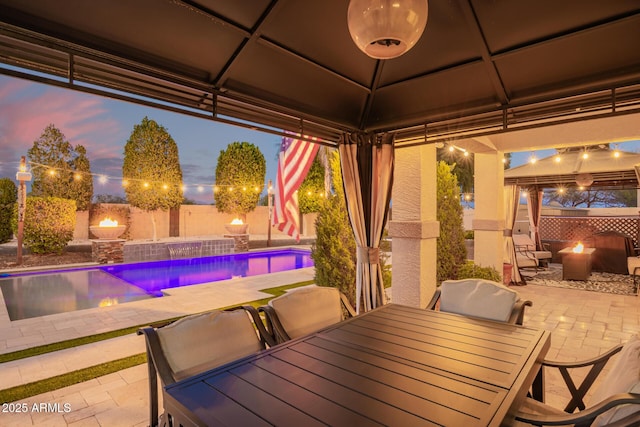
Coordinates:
48	224
8	198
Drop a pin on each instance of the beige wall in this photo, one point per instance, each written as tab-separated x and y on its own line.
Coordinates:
195	220
82	226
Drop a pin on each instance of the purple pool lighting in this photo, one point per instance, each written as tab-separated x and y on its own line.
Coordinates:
155	276
35	294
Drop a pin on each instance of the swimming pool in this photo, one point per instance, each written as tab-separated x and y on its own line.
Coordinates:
37	294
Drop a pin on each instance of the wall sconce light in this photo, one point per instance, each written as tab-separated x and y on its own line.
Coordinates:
385	29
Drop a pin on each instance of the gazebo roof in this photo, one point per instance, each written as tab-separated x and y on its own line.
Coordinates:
480	68
603	166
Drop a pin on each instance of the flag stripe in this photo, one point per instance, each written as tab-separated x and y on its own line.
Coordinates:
294	161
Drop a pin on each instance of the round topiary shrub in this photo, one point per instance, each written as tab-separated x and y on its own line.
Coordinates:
48	224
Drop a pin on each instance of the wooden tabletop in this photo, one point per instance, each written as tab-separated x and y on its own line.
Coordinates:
395	365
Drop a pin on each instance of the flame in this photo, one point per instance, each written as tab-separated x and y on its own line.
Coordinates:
578	249
108	222
237	221
108	302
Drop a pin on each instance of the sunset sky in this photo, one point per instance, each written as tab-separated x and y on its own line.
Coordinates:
103	125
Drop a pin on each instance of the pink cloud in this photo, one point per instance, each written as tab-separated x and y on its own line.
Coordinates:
26	109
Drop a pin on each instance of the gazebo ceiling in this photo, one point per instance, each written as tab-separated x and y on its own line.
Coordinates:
481	67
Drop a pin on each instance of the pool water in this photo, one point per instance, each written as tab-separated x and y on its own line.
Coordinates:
28	295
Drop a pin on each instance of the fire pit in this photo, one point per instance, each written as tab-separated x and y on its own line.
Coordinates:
576	262
238	231
236	227
108	229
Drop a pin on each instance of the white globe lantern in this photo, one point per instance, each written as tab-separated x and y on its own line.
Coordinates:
385	29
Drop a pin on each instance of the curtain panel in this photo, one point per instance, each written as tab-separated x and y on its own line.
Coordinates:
511	202
534	207
366	160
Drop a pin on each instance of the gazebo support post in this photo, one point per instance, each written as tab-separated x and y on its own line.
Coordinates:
488	221
414	228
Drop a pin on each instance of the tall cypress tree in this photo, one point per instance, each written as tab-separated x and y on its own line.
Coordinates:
452	252
151	169
240	174
61	170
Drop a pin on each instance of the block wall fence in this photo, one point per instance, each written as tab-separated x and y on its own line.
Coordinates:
193	220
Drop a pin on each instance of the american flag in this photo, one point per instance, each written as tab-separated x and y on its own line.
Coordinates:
294	161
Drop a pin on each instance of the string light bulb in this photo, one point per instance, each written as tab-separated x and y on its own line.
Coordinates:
54	172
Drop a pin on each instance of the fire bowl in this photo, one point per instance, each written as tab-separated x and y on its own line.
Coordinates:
236	228
107	233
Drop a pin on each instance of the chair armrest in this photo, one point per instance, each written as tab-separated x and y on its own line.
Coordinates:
586	416
581	364
434	300
517	314
526	251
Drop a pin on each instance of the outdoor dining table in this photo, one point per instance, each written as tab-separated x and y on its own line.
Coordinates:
395	365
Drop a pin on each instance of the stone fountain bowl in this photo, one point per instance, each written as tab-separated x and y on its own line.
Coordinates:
107	233
236	228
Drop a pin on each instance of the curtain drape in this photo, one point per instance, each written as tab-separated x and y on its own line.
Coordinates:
511	202
366	161
534	207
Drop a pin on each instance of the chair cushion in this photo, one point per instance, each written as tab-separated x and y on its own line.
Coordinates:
524	240
309	309
624	377
478	298
201	342
632	263
542	254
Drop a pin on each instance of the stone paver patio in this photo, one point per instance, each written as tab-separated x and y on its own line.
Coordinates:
583	323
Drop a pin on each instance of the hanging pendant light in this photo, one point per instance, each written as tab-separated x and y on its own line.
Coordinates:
385	29
584	179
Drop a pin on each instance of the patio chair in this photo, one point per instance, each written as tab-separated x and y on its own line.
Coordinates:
480	298
305	310
200	342
633	267
615	403
527	254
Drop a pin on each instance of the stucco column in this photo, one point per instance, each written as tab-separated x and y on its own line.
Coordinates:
488	221
414	227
